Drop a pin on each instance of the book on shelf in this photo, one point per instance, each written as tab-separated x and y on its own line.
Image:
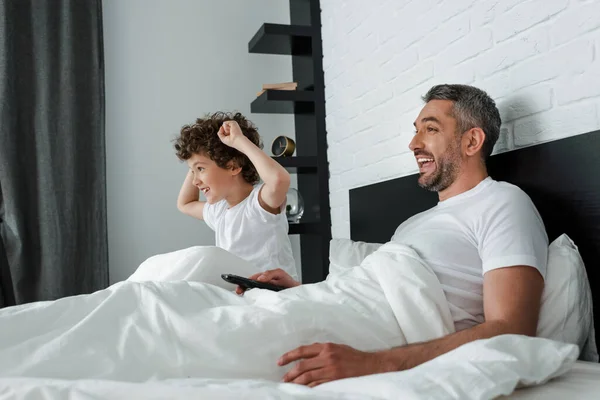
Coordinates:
278	86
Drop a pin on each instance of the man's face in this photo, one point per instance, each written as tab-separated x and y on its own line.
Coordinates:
212	180
436	145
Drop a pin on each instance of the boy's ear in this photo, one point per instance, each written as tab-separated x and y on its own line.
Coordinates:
233	167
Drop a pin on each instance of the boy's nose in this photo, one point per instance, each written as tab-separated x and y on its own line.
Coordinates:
196	182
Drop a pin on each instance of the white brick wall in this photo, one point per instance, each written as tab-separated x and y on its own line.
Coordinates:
539	59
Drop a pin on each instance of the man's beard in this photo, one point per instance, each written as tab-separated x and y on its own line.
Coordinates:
445	173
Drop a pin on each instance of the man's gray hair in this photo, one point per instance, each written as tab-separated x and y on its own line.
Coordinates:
473	108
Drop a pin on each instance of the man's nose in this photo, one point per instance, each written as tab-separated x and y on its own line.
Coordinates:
415	143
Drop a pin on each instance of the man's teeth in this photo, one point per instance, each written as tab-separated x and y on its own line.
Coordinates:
424	160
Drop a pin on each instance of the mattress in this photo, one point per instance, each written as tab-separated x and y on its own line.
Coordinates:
582	382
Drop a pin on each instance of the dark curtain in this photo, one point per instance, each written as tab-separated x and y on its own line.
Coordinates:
53	237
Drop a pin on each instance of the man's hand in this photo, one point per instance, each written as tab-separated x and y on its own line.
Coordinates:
323	362
274	276
231	134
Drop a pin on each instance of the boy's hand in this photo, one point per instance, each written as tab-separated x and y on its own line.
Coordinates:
231	134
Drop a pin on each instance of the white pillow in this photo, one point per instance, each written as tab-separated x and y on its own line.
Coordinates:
347	253
566	313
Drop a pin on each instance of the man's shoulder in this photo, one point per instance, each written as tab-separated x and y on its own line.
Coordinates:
506	192
507	200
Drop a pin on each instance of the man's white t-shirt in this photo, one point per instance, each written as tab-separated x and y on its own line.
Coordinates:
491	226
252	233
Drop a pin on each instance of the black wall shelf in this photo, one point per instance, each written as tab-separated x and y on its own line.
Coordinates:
305	228
302	41
284	102
282	39
300	165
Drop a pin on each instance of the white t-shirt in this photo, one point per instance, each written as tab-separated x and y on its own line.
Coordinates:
252	233
493	225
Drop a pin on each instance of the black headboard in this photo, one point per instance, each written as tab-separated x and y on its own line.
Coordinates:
562	178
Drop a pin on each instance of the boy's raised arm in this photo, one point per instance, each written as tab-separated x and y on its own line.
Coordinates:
188	200
276	179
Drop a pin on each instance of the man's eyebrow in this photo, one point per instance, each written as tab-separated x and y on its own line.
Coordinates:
427	119
433	119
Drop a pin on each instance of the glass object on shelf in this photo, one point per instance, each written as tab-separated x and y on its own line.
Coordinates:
295	206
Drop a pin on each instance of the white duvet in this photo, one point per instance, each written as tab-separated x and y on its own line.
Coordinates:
195	340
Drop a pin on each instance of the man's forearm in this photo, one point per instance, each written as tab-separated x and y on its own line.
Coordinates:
406	357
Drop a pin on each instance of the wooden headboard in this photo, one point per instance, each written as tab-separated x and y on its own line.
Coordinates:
562	178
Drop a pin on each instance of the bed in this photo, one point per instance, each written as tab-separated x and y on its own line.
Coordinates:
561	177
183	339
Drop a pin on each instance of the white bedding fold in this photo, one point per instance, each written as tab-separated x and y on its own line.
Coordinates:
481	370
144	331
188	340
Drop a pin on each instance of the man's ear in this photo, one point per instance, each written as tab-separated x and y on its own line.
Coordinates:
472	141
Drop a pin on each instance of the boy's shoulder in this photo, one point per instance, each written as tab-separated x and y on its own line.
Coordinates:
256	209
213	213
255	191
251	200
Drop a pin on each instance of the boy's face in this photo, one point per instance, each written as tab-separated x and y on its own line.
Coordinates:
212	180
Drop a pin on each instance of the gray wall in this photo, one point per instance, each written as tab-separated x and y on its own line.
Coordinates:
168	62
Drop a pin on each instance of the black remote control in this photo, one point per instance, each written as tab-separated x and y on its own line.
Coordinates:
249	283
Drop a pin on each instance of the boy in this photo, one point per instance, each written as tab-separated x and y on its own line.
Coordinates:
226	163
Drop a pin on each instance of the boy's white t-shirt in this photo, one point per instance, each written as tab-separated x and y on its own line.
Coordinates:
252	233
491	226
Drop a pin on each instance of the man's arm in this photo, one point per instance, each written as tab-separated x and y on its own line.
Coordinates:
512	298
188	199
511	302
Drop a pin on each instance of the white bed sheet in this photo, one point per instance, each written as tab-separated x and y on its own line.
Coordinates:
582	382
105	346
481	370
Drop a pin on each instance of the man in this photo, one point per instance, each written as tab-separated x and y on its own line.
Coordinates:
484	240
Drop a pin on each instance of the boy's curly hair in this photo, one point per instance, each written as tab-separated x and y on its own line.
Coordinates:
202	138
